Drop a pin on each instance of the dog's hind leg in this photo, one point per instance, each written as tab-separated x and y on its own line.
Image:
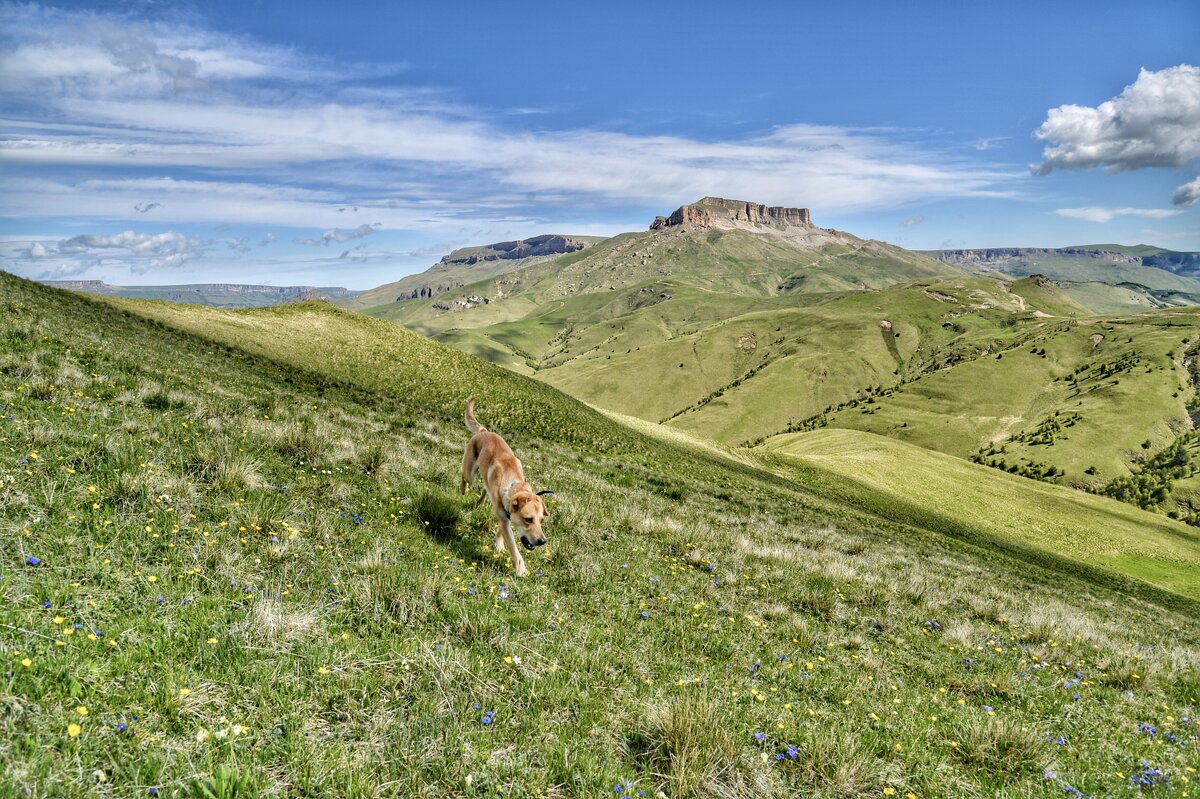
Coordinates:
468	468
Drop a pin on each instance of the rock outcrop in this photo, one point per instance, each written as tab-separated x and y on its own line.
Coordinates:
721	213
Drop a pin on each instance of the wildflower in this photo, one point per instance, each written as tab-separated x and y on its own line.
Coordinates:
487	717
889	791
760	736
26	662
122	727
184	691
32	561
81	710
322	670
73	730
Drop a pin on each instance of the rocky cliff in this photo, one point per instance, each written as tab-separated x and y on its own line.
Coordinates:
719	212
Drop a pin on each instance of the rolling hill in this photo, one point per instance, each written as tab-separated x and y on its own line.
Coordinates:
234	564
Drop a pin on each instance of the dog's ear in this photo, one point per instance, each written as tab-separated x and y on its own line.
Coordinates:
516	503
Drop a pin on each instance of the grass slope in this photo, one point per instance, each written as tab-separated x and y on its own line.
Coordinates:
232	565
1082	398
937	491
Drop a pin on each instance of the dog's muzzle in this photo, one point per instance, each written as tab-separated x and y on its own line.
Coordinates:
530	545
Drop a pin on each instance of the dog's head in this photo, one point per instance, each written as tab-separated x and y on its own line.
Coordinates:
527	512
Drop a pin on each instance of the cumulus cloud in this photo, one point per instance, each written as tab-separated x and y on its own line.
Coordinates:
1094	214
140	252
37	250
1155	121
1188	193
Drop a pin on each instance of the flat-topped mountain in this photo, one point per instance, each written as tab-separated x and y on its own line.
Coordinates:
721	213
548	244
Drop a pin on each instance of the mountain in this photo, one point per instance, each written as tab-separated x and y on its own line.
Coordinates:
1108	278
222	295
468	265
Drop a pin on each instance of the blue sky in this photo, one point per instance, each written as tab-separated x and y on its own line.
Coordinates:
349	144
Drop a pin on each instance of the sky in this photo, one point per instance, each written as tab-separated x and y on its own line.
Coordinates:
349	144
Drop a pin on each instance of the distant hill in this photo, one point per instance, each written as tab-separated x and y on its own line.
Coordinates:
1109	278
470	264
221	295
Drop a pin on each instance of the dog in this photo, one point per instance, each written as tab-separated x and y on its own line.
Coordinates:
513	499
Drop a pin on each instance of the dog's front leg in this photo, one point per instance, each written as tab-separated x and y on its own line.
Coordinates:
510	544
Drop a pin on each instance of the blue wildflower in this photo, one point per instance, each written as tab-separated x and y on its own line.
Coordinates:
32	561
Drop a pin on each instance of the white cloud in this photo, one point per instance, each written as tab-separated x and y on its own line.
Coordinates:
139	252
1155	121
37	250
913	220
270	238
338	234
1094	214
1188	193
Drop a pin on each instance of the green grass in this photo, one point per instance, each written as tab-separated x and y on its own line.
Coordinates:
314	639
935	491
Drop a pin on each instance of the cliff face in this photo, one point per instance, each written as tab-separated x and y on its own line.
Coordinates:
718	212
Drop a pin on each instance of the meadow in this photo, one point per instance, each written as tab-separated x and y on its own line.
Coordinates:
233	563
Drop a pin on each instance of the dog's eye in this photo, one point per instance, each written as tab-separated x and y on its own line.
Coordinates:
529	520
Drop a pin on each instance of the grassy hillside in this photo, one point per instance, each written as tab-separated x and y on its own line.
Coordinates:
233	565
698	308
914	485
1092	399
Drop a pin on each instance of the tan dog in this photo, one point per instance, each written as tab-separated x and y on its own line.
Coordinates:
513	499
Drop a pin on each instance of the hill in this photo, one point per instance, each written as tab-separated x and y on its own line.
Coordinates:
1083	403
468	265
935	491
221	295
233	564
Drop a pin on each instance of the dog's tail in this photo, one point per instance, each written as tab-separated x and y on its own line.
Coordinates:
472	423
